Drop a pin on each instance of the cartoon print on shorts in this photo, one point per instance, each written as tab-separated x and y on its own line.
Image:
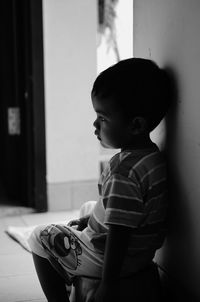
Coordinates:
62	244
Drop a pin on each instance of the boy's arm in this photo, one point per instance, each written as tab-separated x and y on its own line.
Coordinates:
116	248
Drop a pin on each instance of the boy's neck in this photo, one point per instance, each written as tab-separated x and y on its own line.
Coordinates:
139	142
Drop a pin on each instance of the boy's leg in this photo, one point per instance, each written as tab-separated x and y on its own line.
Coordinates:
52	283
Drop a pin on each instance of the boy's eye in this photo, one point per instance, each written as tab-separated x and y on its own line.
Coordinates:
101	118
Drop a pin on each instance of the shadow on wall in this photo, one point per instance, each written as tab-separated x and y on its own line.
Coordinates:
173	257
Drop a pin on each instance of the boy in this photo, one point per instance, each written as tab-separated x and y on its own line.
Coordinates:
119	238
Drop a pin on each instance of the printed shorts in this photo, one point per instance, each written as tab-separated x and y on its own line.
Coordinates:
67	253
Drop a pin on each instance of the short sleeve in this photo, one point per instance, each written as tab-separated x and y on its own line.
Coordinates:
123	202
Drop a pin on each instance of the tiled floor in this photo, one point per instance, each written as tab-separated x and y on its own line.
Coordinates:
18	280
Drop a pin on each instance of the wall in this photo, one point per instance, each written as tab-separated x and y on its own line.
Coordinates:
106	56
168	32
70	69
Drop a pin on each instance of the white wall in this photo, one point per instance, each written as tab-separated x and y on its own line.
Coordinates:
168	32
70	69
124	36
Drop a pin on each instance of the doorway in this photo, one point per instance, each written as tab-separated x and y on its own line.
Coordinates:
22	122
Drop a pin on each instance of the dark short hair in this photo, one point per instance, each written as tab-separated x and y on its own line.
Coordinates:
138	86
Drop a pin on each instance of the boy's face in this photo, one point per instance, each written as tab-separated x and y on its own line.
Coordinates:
111	127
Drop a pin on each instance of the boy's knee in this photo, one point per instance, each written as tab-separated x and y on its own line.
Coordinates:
35	233
34	241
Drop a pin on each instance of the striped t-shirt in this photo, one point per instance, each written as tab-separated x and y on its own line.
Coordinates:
132	193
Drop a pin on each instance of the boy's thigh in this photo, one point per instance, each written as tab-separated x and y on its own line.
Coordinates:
67	253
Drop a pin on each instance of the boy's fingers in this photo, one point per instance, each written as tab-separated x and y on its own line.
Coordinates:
73	222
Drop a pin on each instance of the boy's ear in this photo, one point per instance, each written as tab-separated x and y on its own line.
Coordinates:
138	125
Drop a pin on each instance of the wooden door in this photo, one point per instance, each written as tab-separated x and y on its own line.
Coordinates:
22	124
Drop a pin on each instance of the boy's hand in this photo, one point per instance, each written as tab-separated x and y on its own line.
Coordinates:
73	223
80	224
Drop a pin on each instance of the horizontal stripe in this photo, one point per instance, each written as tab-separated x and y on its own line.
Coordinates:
150	228
135	218
152	179
130	219
156	189
142	170
158	181
119	184
133	204
157	216
119	163
153	170
154	202
116	179
121	196
124	212
121	188
144	158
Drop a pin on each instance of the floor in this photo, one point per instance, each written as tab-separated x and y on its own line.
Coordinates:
18	280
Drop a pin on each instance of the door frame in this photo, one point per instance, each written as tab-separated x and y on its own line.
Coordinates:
38	101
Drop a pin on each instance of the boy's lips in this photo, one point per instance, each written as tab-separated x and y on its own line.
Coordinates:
97	134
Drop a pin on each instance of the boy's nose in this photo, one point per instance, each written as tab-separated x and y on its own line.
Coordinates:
96	124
